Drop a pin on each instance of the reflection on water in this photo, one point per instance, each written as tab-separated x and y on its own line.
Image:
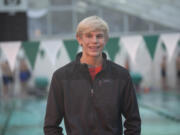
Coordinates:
160	113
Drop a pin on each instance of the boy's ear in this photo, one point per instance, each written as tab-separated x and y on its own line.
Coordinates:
78	39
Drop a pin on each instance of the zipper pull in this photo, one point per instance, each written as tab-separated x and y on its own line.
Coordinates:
92	92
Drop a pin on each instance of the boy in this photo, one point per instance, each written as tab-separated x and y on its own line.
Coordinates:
92	93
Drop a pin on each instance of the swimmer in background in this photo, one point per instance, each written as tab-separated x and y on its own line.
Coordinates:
164	73
7	78
178	71
24	74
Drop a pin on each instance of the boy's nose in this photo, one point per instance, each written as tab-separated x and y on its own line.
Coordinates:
94	39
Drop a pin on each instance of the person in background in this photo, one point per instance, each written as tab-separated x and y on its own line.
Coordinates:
24	74
127	66
92	93
164	73
7	78
178	71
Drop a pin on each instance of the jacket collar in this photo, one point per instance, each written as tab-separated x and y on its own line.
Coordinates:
85	66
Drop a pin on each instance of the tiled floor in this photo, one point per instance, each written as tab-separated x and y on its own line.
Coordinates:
160	112
23	117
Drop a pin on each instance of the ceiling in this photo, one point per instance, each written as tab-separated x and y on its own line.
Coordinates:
165	12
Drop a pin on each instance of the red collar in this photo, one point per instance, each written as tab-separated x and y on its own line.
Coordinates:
94	70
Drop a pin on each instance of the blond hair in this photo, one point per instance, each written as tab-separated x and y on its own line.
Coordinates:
92	23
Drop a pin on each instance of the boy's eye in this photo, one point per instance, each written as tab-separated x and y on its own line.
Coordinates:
88	35
100	36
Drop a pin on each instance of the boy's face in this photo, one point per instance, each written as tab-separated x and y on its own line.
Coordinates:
92	43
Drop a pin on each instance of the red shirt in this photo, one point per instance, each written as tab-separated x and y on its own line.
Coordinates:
94	70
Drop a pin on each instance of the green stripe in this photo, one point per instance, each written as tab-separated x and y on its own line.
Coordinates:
151	43
71	47
31	50
112	47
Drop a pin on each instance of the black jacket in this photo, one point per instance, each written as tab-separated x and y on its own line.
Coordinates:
92	107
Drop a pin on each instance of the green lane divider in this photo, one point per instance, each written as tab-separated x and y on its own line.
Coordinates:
160	112
6	124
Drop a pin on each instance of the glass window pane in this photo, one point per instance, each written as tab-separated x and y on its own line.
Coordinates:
137	24
158	27
61	22
114	19
37	27
82	15
60	2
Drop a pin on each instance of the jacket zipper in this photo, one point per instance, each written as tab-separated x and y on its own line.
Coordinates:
92	92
